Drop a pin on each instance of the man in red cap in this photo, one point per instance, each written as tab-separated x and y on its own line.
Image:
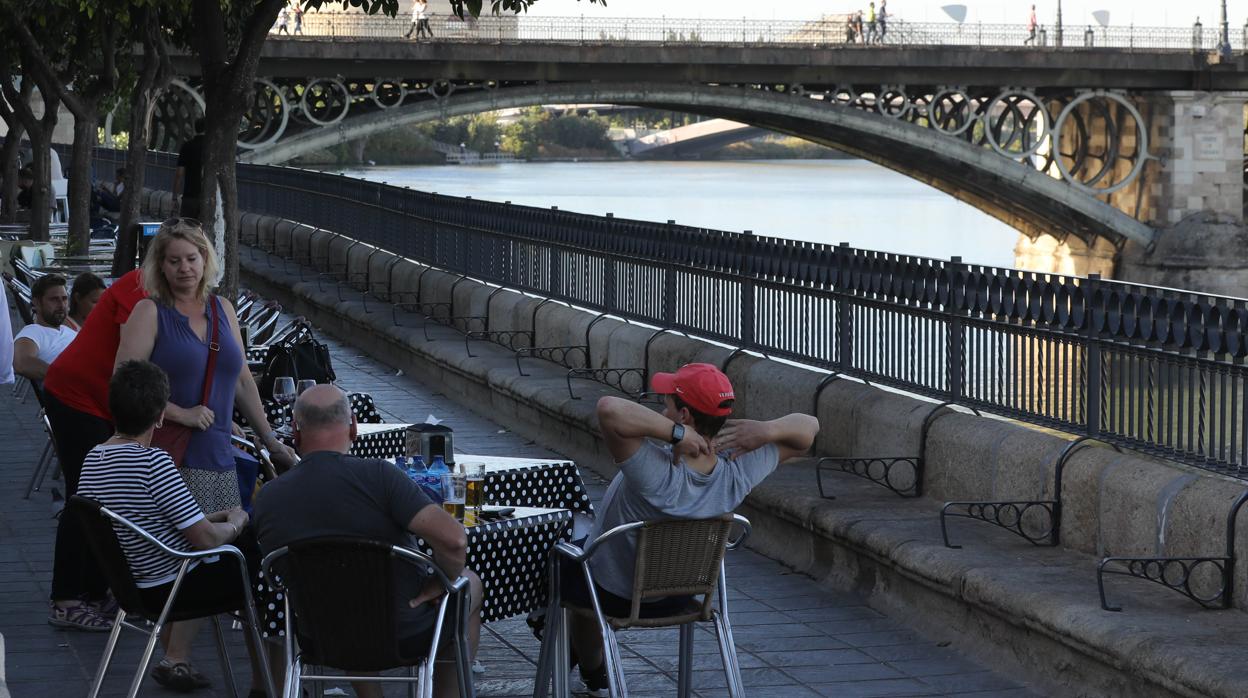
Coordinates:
688	462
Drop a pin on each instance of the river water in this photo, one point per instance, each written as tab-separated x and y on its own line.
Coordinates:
828	201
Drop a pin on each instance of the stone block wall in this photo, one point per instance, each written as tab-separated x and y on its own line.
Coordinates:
1200	138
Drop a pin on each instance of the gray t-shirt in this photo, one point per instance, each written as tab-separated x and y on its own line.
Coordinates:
649	486
331	494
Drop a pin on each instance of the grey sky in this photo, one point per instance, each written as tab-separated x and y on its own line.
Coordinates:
1074	12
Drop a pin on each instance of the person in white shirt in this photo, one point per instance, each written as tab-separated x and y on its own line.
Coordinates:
38	344
420	20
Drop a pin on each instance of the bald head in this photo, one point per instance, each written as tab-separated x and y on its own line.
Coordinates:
323	420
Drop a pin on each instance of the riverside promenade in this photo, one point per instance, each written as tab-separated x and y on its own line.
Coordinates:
794	637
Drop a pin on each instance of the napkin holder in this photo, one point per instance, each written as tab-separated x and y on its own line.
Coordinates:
431	440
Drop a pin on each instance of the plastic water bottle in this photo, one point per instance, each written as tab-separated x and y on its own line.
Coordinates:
401	463
436	470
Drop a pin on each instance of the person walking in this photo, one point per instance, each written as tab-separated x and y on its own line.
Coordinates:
283	18
298	19
1032	24
420	20
188	176
882	20
872	33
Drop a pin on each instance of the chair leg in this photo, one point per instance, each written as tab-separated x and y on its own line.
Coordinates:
109	648
615	666
728	652
224	655
684	685
562	652
41	467
146	659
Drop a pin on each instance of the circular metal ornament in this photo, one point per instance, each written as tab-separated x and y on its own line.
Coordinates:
174	114
1141	139
266	120
892	101
388	93
1011	98
441	89
325	101
951	105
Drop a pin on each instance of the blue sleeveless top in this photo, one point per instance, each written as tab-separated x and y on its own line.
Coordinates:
184	356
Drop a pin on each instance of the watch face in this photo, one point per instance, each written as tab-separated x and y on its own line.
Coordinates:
678	433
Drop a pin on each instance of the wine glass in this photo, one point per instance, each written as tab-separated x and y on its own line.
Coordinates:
284	394
304	385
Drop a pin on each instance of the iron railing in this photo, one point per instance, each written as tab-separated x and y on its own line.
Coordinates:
1157	370
822	31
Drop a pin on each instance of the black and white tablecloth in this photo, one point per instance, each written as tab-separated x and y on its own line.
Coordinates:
509	555
531	482
362	406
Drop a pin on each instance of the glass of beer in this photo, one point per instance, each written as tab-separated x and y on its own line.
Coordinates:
454	488
475	495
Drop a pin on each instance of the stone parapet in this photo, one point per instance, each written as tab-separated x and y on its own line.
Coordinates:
1033	610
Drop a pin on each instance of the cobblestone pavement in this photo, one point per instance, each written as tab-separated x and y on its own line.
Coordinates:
794	637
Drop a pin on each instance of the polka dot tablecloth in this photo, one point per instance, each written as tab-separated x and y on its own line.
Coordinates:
531	482
509	555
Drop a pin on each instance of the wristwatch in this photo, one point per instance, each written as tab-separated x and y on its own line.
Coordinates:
678	433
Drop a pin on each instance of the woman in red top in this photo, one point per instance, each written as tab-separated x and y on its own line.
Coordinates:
76	400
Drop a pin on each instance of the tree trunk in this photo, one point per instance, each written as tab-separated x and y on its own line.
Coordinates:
86	136
41	191
218	183
8	160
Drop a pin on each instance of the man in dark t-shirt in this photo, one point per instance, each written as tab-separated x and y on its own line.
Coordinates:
330	493
187	180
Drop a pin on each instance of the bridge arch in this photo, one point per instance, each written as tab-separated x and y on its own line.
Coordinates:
1020	195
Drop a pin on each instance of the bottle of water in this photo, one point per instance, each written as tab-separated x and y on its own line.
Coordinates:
401	463
436	470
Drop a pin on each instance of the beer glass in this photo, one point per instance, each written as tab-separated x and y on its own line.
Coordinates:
475	491
454	488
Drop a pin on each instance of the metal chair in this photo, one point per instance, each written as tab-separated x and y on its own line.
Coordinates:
99	523
45	459
674	557
340	602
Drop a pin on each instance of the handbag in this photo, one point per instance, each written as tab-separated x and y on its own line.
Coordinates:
175	438
301	357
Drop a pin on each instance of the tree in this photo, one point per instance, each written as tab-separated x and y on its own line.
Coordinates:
227	36
152	80
8	154
72	47
16	105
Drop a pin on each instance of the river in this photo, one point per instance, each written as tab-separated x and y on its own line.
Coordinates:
829	201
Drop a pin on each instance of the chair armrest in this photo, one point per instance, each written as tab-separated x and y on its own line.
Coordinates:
194	555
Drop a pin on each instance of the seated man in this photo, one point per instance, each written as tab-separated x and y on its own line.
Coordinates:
330	493
142	484
39	343
706	470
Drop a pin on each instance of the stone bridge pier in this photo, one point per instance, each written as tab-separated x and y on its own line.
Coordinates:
1191	191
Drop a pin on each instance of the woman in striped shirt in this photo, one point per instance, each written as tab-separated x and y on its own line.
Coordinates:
141	484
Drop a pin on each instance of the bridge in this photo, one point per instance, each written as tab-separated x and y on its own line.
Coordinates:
1106	147
684	141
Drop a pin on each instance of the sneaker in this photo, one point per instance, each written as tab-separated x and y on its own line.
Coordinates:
80	616
596	684
180	677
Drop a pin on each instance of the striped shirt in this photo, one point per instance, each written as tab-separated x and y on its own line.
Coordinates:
142	485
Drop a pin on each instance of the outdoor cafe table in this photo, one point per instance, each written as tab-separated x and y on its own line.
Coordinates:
552	483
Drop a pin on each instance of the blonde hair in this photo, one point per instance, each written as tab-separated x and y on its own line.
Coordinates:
187	230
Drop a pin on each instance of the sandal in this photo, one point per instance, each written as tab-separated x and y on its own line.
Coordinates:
106	607
79	617
180	677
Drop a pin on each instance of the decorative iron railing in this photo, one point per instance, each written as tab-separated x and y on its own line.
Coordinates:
1157	370
823	31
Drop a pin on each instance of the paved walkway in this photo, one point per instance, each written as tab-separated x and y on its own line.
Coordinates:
794	637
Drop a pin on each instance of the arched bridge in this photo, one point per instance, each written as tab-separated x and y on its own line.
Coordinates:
1065	141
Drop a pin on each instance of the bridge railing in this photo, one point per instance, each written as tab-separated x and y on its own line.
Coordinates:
1158	370
823	31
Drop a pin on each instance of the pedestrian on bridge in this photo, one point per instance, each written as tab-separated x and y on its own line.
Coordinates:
298	19
283	18
873	36
420	20
1032	24
883	20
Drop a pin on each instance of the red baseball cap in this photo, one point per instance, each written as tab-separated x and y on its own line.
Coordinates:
702	386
